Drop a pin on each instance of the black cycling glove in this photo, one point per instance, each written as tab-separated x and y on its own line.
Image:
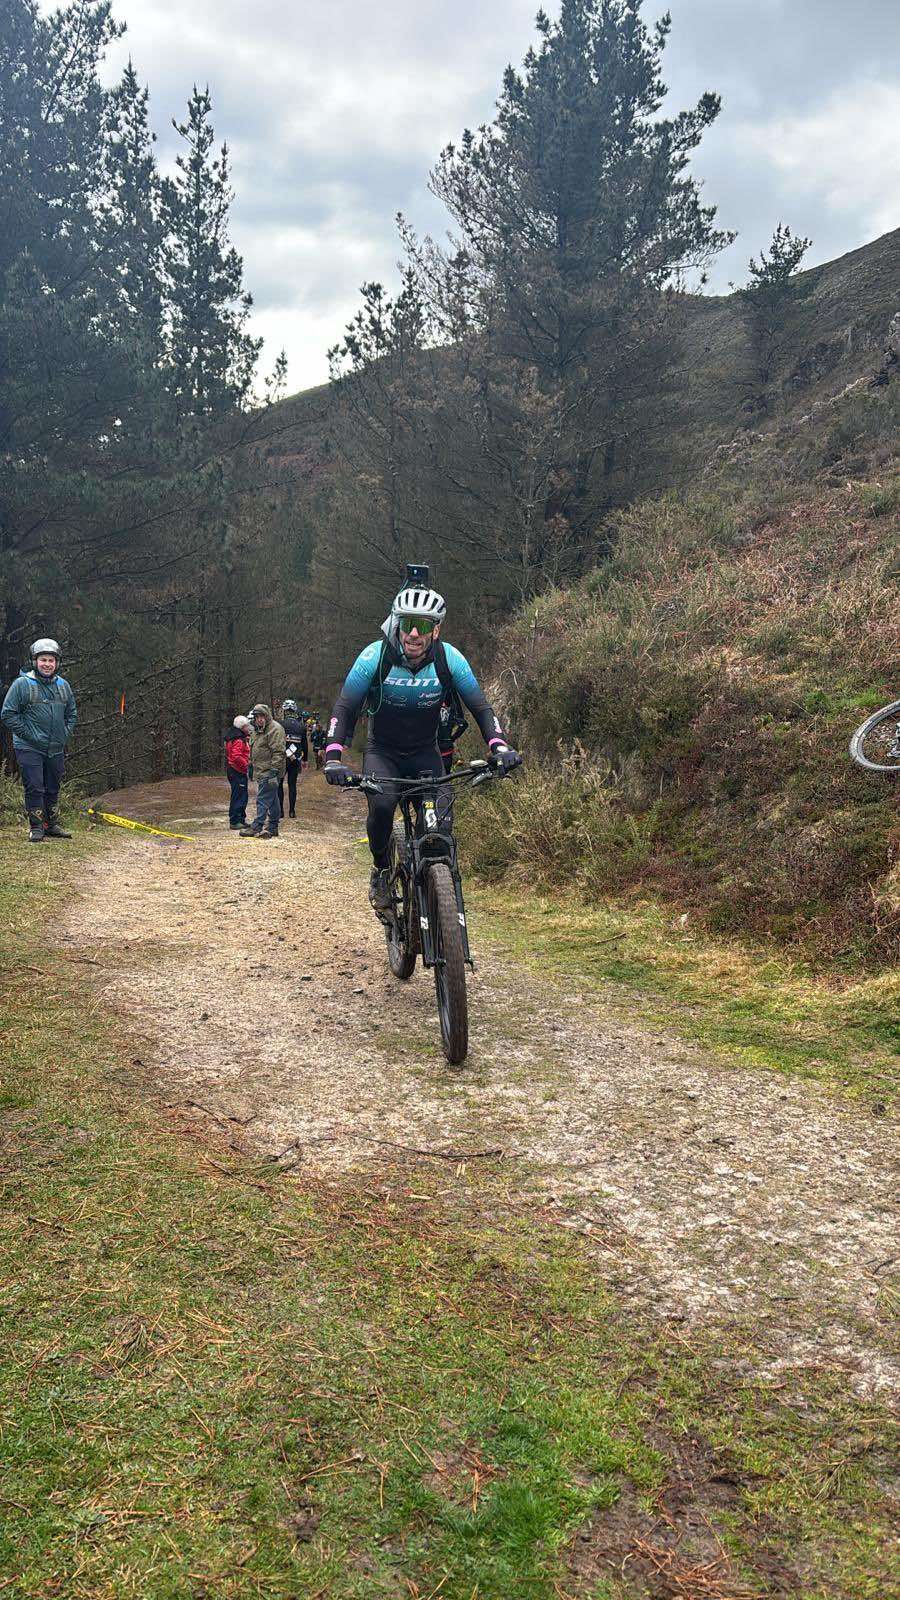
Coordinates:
506	759
339	774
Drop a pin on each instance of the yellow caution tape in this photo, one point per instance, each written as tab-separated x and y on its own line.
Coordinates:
139	827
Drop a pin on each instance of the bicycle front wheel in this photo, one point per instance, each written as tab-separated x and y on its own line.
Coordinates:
449	963
876	744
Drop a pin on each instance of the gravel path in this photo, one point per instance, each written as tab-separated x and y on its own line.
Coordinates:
256	976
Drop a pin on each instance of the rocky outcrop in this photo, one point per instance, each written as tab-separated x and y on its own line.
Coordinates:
890	366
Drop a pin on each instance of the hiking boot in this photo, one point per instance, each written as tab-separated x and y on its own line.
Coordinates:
250	830
35	827
380	889
52	829
269	833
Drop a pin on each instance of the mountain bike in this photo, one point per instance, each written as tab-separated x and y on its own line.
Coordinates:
427	914
876	743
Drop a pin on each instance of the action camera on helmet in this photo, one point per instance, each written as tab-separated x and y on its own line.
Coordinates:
416	574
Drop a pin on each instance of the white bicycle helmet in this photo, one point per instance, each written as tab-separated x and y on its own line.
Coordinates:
290	705
45	647
414	601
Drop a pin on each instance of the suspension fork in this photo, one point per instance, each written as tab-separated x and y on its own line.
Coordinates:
422	861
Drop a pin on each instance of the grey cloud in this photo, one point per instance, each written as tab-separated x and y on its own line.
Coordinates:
774	54
335	114
780	66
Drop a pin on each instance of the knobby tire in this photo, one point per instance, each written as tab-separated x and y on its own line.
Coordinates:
876	732
402	932
450	964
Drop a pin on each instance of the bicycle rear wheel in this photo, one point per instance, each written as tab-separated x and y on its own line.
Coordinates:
876	743
402	932
449	965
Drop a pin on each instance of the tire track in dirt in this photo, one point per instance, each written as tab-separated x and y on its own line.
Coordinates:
256	976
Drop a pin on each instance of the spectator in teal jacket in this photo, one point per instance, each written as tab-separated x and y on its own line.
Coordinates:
39	711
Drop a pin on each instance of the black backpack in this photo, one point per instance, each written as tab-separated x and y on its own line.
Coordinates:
456	722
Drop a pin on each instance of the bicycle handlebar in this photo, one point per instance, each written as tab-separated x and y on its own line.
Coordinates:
477	771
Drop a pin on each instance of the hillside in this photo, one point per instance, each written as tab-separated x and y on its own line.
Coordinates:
838	337
704	401
843	316
687	706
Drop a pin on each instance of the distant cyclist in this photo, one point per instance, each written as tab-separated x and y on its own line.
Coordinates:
451	727
318	739
296	752
402	680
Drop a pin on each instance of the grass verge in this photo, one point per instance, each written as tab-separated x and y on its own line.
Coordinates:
220	1381
754	1005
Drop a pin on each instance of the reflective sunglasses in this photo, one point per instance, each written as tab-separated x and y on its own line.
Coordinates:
424	625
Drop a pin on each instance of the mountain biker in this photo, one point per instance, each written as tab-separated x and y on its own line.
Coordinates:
296	752
403	678
451	727
267	757
39	711
319	739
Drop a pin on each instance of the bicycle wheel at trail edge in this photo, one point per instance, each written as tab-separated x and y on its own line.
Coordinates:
402	931
876	744
449	963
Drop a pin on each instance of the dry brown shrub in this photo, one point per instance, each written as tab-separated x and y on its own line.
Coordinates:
710	676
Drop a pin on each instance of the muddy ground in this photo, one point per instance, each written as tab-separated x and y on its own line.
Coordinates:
255	975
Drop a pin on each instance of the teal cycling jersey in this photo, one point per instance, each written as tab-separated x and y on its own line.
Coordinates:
405	704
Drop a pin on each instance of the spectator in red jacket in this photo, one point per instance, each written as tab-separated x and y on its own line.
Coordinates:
237	764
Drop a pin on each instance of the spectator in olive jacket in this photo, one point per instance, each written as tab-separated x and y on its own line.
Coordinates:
267	758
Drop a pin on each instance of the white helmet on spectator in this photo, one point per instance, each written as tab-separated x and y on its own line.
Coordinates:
45	647
415	601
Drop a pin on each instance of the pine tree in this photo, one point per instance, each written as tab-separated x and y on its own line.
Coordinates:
213	357
131	234
580	185
374	367
770	302
112	485
576	220
575	214
59	375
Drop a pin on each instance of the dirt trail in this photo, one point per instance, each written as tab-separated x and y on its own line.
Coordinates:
257	978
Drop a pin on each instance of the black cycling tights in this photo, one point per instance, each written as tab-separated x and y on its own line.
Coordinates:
386	764
292	773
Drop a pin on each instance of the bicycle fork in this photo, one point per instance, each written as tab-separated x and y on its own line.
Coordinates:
428	848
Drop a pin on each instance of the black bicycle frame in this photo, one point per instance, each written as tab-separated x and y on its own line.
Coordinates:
426	844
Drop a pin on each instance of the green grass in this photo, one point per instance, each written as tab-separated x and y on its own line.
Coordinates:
220	1381
740	998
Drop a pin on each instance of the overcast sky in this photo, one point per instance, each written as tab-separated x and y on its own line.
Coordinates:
336	109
